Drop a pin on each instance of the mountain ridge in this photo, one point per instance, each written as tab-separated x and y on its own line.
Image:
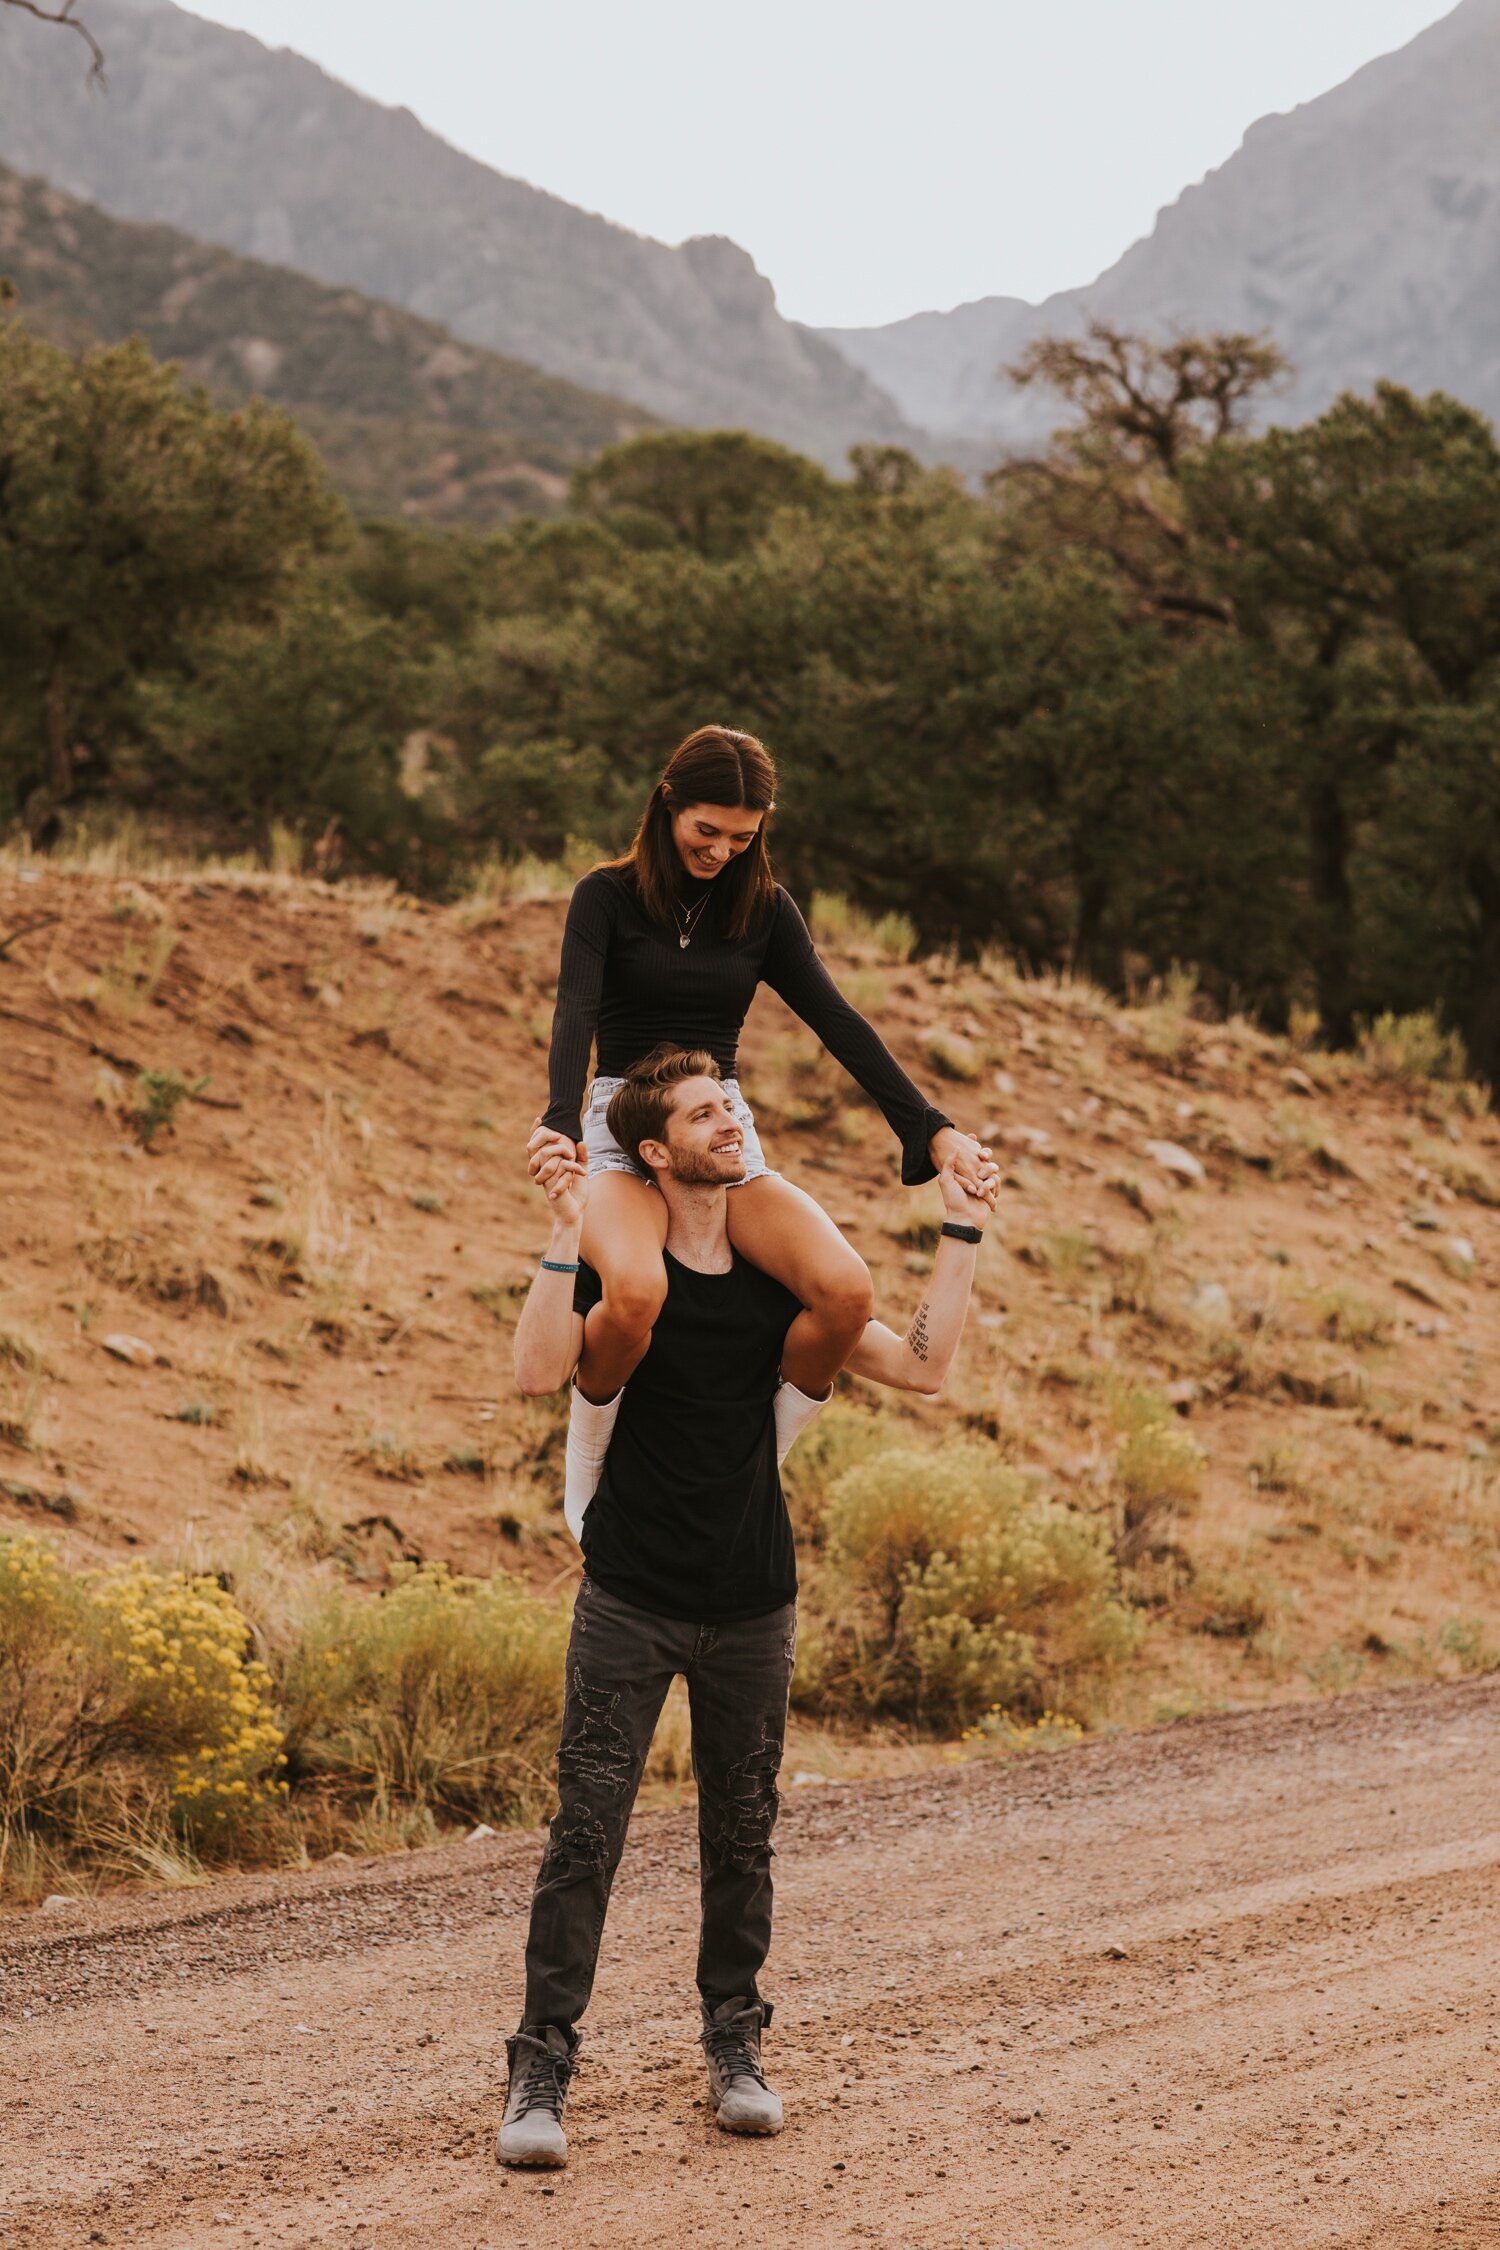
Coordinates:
1362	229
410	421
206	129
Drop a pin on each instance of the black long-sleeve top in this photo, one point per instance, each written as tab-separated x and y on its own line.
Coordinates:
627	984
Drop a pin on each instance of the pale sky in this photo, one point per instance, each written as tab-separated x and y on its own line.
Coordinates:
875	157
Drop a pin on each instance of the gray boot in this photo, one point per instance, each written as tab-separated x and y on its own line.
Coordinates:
531	2131
742	2101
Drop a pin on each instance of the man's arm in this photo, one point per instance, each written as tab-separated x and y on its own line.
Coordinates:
549	1334
922	1359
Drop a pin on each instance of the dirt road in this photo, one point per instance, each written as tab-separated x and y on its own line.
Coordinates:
1298	2046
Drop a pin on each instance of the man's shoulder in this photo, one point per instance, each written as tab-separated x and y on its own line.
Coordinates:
756	1294
764	1289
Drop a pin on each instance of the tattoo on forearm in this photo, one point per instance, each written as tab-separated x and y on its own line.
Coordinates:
917	1342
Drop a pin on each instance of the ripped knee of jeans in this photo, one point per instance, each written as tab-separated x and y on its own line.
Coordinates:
580	1843
594	1753
736	1825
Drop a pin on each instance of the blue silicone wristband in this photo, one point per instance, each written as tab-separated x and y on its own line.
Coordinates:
553	1265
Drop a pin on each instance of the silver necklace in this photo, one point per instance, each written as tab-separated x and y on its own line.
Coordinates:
687	923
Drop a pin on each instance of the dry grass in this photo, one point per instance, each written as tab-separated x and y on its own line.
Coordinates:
21	1350
1412	1050
497	885
954	1056
1346	1317
1163	1025
835	922
1465	1173
127	985
390	1453
20	1410
152	1262
1305	1139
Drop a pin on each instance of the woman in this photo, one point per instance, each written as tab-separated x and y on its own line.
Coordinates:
667	946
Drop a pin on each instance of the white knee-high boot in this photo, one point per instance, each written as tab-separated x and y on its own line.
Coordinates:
794	1410
590	1429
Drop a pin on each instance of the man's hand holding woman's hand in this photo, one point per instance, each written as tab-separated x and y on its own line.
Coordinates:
972	1163
561	1172
547	1152
959	1204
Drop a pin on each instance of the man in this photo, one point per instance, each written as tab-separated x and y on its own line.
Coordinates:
690	1569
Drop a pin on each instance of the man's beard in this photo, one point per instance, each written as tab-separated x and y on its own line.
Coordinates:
692	1168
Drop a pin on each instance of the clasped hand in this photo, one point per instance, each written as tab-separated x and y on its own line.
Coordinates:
560	1168
972	1163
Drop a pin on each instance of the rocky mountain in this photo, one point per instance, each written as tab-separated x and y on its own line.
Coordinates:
1362	229
208	130
411	421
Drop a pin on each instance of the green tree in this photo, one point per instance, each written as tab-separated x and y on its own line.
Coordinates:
134	516
1138	413
975	743
308	721
1426	876
1361	555
711	490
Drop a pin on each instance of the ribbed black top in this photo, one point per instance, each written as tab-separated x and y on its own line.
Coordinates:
626	984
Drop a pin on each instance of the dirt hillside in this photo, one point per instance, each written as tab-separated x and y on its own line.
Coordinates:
319	1261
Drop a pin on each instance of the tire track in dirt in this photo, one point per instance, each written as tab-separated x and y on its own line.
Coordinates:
1297	2047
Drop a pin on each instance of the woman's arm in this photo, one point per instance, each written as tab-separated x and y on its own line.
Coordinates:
549	1333
793	968
922	1359
580	980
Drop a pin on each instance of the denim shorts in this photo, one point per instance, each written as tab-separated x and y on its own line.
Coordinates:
606	1155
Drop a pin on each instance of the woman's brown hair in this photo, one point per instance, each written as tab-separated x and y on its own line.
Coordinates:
715	766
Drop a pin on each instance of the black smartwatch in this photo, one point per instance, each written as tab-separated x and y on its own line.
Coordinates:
959	1233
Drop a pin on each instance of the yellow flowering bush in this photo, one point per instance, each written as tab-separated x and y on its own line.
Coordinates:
55	1702
998	1735
193	1695
123	1690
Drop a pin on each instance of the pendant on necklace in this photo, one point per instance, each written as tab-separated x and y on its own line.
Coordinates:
683	944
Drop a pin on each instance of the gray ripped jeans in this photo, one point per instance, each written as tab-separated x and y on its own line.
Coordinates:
621	1662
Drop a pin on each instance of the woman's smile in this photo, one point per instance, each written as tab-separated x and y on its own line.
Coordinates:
708	837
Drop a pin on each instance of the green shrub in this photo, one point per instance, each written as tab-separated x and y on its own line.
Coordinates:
1234	1604
952	1588
444	1693
1157	1473
159	1095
